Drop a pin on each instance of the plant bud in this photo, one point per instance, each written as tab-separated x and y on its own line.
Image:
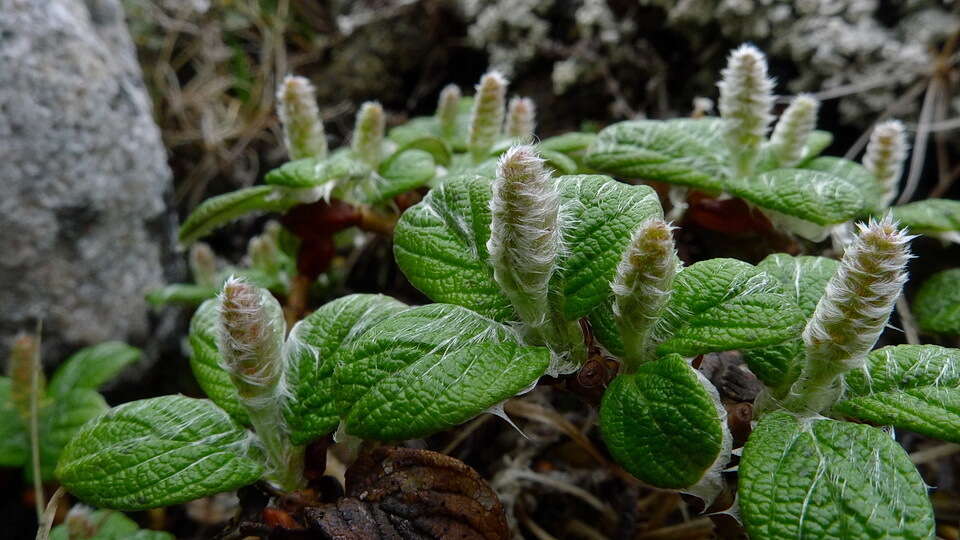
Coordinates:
251	334
852	313
884	158
447	109
24	361
203	265
368	133
302	126
486	118
746	97
521	119
524	238
263	252
524	243
795	126
642	286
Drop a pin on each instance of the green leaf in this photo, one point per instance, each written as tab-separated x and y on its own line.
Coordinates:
416	128
441	245
91	367
205	362
311	411
916	387
605	329
930	217
803	278
819	478
180	293
601	214
435	146
441	390
313	172
776	365
937	304
812	196
60	421
688	152
575	142
428	126
852	172
559	162
157	452
662	424
403	172
429	368
107	525
14	448
222	209
816	143
724	304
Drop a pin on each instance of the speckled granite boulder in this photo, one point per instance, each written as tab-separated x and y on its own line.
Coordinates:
84	226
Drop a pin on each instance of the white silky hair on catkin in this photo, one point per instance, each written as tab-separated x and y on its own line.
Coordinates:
859	298
524	231
643	283
448	105
368	132
521	118
303	131
794	127
203	264
885	155
250	338
486	118
746	101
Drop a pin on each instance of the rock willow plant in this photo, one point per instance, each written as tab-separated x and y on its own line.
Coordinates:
785	177
517	260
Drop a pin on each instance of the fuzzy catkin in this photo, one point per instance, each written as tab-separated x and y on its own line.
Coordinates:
303	131
250	342
368	133
23	362
794	127
524	235
447	108
521	119
642	286
853	311
884	157
525	241
250	338
203	265
486	118
746	98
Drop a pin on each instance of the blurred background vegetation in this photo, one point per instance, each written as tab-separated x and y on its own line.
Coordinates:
212	66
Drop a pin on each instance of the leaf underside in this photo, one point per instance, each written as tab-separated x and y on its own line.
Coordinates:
930	216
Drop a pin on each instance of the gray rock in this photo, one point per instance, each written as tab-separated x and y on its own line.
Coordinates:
84	225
